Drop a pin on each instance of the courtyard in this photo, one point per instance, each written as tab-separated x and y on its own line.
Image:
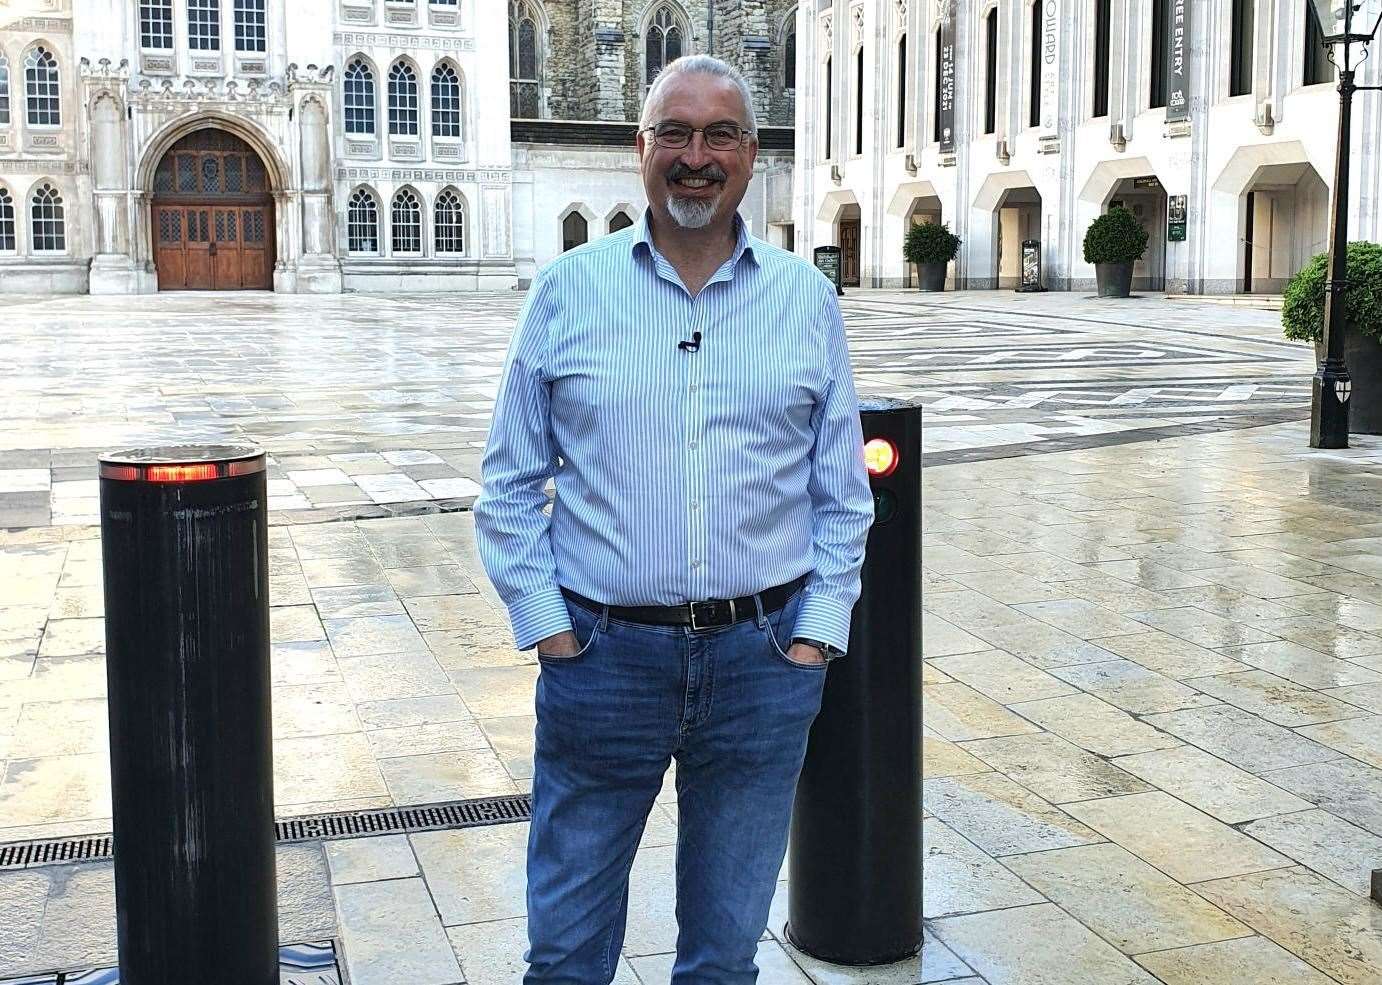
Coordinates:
1152	635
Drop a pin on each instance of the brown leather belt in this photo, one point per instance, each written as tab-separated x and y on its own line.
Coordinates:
698	615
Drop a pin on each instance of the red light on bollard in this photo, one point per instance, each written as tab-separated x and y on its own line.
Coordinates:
880	457
178	464
181	473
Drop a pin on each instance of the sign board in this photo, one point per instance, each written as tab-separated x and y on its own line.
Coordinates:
1178	62
1175	218
1050	65
827	260
947	79
1031	265
1147	181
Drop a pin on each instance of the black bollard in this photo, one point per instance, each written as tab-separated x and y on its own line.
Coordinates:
184	538
854	892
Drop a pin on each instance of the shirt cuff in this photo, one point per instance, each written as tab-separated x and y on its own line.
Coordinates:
538	616
824	619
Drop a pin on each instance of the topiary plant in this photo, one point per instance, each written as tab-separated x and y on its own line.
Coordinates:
930	243
1302	308
1114	237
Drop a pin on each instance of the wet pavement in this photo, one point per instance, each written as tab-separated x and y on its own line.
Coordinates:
1153	691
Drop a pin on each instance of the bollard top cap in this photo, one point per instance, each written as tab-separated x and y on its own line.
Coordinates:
182	463
877	402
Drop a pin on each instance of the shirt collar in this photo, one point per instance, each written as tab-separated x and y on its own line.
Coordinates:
743	242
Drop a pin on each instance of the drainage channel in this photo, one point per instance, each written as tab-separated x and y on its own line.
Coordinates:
474	813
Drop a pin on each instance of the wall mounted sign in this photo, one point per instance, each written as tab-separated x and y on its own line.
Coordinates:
947	79
1176	218
1050	65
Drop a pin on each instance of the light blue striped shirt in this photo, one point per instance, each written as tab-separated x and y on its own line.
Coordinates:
680	476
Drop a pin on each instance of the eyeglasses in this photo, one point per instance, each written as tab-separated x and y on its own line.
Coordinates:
718	136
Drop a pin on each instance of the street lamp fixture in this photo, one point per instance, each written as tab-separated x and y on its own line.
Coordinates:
1346	28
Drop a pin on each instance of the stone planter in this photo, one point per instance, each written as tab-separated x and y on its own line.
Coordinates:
1114	279
1363	356
931	276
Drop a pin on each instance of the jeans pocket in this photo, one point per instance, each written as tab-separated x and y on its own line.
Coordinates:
778	650
584	648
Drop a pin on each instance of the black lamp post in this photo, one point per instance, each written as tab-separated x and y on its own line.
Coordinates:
1344	24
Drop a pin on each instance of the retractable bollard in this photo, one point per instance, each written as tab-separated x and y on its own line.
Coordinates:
854	866
184	536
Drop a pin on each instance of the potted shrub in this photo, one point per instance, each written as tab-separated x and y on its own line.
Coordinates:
1113	243
931	247
1302	319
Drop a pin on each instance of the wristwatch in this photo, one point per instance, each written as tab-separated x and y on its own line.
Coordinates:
827	651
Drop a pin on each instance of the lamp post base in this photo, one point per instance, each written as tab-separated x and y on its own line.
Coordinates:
1329	393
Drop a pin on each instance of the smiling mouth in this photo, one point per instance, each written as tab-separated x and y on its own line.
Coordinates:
695	184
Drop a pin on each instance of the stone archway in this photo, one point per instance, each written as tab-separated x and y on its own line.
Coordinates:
212	215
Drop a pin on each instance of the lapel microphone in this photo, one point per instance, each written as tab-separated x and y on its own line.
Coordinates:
694	345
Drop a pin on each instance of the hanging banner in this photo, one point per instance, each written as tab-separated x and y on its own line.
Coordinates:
1050	66
1178	62
947	77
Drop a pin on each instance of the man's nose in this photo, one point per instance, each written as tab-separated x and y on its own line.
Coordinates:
696	155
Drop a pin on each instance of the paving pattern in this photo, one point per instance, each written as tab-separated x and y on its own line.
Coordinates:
368	402
1153	670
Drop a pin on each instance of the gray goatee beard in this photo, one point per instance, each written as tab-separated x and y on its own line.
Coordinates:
692	213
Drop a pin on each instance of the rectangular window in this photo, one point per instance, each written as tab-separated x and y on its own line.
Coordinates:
859	102
1161	35
991	71
936	90
829	106
1034	78
1318	68
156	23
902	91
1240	62
204	25
1102	13
250	31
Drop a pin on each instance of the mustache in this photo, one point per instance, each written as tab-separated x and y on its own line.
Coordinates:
712	172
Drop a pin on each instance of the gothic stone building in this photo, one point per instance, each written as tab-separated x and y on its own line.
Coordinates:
327	145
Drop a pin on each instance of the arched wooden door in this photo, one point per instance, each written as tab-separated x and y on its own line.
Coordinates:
213	216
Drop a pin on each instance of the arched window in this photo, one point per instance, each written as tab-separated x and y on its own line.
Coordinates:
362	222
448	223
620	220
789	58
662	44
155	23
41	88
4	92
6	220
402	99
407	223
446	102
204	25
574	231
250	30
359	98
525	61
46	213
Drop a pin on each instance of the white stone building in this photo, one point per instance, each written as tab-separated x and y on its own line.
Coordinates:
1060	110
328	145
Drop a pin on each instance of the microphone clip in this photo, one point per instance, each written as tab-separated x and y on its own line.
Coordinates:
693	345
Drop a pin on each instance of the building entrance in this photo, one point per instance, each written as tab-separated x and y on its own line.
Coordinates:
213	216
849	246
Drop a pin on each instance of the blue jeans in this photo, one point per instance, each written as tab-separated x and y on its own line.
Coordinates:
734	712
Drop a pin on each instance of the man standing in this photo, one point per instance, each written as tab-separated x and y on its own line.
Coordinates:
688	388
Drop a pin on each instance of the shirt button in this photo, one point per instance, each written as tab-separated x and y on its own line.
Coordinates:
695	564
693	445
694	387
695	505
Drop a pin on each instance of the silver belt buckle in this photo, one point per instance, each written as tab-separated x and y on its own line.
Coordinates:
733	613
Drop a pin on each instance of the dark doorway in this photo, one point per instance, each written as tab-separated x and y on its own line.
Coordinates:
849	246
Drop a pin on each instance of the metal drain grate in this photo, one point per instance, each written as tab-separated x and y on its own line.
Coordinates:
311	827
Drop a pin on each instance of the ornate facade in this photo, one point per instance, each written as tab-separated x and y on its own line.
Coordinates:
327	145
